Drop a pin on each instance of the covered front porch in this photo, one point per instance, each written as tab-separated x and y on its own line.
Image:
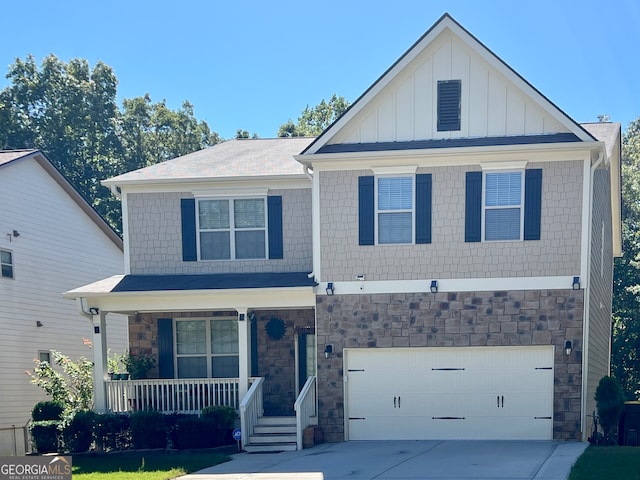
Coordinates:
244	341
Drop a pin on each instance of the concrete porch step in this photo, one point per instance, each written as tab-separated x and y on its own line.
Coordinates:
273	434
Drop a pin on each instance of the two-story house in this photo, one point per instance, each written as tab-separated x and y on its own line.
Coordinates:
440	268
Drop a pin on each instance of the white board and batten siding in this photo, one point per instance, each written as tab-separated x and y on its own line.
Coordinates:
492	104
466	393
58	248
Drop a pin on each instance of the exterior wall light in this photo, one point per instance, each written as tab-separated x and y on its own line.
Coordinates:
576	283
568	347
434	286
94	311
328	350
330	288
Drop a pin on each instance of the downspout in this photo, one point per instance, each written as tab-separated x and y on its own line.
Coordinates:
315	222
587	295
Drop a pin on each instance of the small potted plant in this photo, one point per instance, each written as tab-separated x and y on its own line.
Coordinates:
139	364
116	366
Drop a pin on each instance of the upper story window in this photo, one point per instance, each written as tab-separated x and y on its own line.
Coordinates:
207	348
449	93
503	205
228	228
6	264
503	200
232	228
395	209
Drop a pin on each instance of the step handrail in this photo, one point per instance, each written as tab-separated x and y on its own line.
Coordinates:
251	409
305	408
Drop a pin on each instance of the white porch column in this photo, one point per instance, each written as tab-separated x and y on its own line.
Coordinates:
99	360
244	351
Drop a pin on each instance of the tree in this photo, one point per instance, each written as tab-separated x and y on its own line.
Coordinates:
625	358
313	121
610	403
70	112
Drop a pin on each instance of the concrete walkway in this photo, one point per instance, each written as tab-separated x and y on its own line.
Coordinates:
394	460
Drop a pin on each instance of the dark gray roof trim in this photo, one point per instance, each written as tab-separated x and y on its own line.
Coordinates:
450	143
222	281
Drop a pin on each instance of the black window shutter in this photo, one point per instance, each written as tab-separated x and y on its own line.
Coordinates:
165	348
366	210
274	215
473	208
449	93
188	218
532	203
423	208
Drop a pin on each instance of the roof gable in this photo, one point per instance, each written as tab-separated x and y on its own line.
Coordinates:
9	157
401	106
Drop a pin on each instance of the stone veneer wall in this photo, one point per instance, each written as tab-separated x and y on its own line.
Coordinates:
276	359
503	318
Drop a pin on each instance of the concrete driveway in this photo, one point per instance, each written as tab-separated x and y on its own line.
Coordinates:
393	460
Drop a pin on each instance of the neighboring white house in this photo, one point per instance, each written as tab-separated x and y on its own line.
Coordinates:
51	239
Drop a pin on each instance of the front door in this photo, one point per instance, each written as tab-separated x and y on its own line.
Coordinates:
306	356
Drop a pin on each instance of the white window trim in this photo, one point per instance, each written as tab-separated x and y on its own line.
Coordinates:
413	208
232	229
12	265
521	206
209	355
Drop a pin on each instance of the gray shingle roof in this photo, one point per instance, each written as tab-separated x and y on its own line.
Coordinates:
606	132
230	159
7	156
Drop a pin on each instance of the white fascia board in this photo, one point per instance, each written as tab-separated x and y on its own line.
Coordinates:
180	300
444	157
281	182
450	285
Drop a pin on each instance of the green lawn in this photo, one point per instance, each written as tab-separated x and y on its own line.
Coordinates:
598	463
142	466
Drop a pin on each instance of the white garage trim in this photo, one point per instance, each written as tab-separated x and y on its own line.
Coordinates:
449	393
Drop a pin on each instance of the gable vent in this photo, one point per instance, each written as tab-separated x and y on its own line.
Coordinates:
449	105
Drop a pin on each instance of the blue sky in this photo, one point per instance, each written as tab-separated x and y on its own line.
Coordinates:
254	64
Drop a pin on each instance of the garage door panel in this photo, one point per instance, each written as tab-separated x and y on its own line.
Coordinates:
447	393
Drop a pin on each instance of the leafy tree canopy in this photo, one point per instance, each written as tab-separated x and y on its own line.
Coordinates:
70	112
626	282
313	121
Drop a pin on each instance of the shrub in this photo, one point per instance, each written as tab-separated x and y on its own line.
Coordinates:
78	432
148	429
223	417
112	432
610	403
48	410
45	435
195	432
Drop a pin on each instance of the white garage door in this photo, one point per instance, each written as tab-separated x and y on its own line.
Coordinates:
449	393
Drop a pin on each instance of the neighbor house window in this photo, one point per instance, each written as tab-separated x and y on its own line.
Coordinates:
503	200
6	264
207	348
44	356
232	228
449	94
395	209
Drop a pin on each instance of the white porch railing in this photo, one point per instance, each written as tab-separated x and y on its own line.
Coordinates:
305	408
251	408
189	395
